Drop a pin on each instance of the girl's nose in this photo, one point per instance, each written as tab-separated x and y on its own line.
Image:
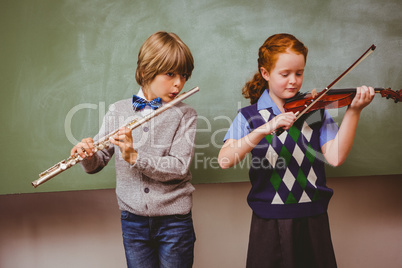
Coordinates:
292	79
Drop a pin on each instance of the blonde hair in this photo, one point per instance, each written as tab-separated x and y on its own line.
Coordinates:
163	52
267	57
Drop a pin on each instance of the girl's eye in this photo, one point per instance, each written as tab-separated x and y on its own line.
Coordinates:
170	74
185	76
284	75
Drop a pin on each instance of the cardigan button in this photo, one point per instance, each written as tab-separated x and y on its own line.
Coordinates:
146	129
146	190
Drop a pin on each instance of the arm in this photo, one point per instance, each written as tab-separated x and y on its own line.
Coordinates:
94	162
173	165
336	150
233	151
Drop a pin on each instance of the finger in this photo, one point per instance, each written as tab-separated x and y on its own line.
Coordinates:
288	118
77	149
358	93
367	94
83	153
119	137
364	94
314	93
73	151
118	140
87	149
291	115
285	122
89	144
372	92
114	141
80	150
125	131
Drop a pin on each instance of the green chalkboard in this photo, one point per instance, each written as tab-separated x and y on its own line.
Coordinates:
62	63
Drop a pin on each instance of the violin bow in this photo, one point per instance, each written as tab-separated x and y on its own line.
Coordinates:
328	88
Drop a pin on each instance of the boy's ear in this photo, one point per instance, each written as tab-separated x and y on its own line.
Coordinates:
264	73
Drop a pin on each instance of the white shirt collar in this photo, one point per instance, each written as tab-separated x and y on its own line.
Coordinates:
141	94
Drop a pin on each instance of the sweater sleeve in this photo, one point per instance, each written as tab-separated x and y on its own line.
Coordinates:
176	163
101	158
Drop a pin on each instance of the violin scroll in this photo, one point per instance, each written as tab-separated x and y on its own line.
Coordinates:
391	94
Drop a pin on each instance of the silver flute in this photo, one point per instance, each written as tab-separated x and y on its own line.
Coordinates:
104	143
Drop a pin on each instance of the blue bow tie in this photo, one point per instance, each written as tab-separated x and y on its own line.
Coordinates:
140	103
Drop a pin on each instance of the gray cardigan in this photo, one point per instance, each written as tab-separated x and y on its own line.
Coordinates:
158	184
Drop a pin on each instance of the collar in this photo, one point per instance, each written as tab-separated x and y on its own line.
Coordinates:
141	94
265	102
147	110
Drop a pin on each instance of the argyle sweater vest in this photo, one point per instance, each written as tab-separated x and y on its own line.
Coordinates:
287	171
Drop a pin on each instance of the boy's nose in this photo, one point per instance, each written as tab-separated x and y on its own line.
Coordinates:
178	81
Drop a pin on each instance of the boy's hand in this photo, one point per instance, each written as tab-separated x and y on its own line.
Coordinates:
364	95
124	140
85	148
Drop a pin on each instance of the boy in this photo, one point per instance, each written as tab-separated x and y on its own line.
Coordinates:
152	161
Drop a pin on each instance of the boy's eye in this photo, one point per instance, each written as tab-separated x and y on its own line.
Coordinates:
284	75
170	74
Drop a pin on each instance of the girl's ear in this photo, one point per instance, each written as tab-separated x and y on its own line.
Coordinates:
264	74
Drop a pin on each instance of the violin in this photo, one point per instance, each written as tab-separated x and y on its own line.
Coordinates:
326	99
336	98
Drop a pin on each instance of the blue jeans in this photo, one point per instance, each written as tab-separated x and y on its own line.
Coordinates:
166	241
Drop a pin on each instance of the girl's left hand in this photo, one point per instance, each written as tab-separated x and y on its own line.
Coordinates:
364	95
124	140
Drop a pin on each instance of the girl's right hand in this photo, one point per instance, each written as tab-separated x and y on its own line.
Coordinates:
284	121
233	151
85	148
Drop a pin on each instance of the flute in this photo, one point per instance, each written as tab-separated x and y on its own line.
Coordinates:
104	143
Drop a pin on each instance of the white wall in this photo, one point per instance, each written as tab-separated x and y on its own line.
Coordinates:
82	229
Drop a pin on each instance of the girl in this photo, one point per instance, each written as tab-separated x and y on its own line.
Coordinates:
153	186
289	196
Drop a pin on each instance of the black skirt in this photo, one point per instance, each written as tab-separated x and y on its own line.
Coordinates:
290	243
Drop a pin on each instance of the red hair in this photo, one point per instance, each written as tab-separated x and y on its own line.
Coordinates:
267	56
